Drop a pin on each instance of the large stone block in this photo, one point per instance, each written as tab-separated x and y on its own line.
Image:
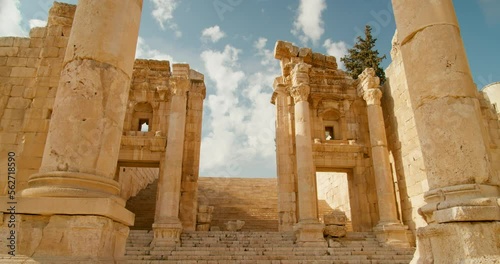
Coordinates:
459	243
335	218
49	239
335	231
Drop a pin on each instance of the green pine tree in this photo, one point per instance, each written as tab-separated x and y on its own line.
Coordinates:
364	55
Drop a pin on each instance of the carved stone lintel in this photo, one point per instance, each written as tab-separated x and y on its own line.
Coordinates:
300	92
372	96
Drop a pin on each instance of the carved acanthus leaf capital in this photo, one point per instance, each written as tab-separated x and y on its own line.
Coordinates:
279	86
372	96
300	73
368	79
300	92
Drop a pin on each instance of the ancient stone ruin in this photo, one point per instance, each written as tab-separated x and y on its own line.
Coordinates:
100	152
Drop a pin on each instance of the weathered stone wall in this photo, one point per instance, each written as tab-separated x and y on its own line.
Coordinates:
29	76
406	158
333	187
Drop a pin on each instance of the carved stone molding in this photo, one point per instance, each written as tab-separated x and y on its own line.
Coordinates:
372	96
300	92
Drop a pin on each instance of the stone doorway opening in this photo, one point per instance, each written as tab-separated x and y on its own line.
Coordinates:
139	188
333	194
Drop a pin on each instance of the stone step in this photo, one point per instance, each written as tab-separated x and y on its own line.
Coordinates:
263	262
260	247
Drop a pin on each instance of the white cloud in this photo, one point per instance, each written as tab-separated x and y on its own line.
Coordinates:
213	34
308	25
163	12
266	54
144	51
491	10
37	23
240	119
336	49
10	19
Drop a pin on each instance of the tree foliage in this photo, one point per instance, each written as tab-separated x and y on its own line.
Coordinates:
364	55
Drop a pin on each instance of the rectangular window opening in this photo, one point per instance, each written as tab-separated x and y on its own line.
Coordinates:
329	135
143	125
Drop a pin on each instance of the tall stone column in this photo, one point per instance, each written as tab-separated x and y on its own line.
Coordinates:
389	229
75	185
285	164
167	226
309	230
85	130
462	203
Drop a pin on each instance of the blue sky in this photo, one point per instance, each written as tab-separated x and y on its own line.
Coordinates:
231	42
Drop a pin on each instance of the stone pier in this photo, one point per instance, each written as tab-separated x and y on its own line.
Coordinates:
462	201
286	169
167	226
191	156
76	176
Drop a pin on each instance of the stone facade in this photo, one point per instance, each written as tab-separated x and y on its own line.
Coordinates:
341	123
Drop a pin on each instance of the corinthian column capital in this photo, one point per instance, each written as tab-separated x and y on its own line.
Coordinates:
372	96
300	74
368	79
300	92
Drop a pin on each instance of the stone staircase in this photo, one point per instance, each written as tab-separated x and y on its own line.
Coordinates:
252	200
260	247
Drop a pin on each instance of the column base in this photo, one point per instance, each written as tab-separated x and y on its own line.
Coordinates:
310	234
62	239
392	234
464	242
106	207
462	203
63	184
167	234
